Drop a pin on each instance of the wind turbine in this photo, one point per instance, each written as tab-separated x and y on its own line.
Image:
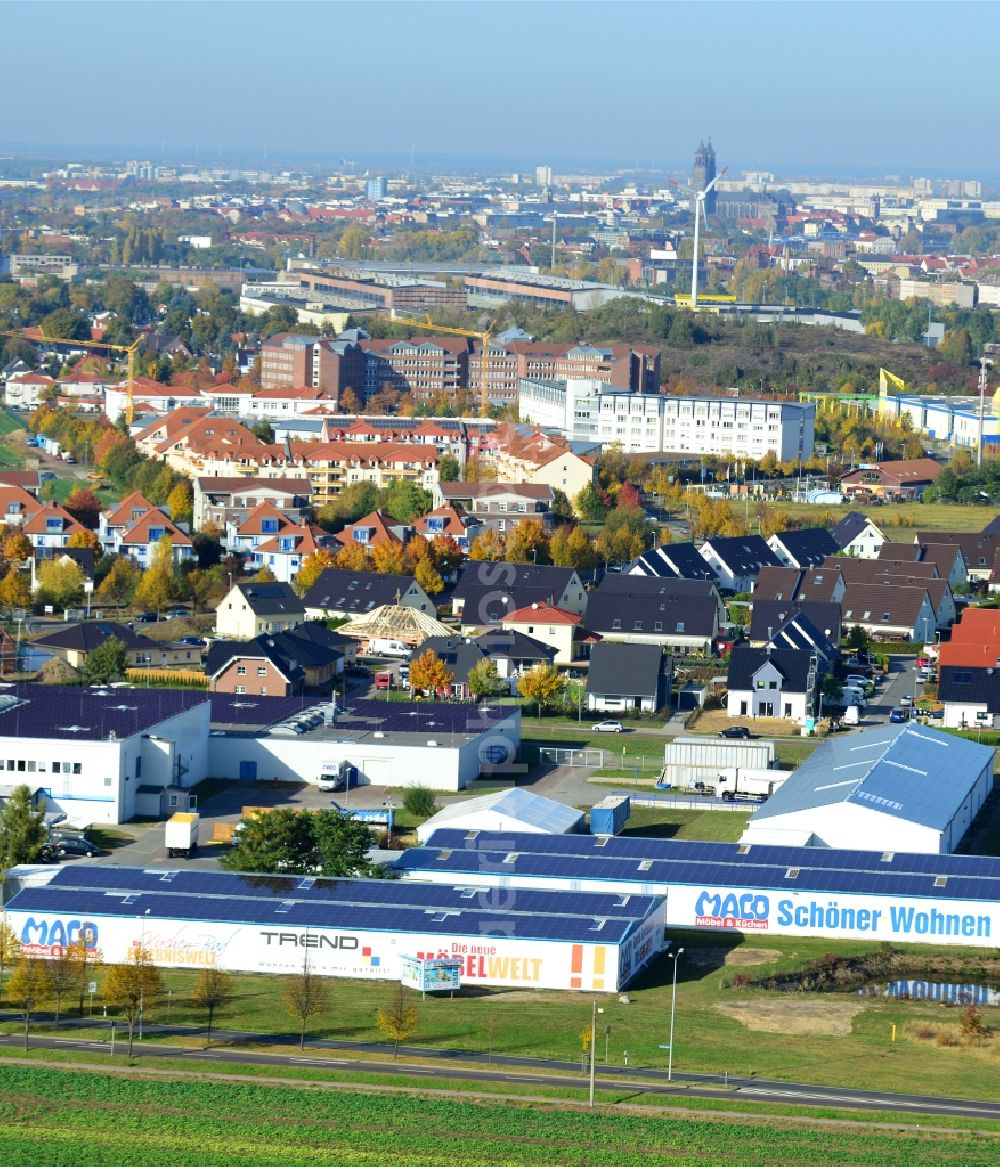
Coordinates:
699	204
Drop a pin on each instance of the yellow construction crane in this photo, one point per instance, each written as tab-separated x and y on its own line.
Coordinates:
130	349
484	363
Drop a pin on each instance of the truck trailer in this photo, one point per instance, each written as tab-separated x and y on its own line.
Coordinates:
182	834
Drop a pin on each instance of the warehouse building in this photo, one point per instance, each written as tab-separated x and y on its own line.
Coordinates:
898	788
105	755
343	928
739	888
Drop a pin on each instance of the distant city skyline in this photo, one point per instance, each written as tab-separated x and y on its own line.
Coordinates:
790	87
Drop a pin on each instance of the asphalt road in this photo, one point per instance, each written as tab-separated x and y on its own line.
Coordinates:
496	1068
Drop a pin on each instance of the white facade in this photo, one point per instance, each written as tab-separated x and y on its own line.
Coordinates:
593	411
97	781
867	543
767	698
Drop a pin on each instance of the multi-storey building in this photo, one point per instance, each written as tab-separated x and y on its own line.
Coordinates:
424	366
330	466
591	411
636	368
293	361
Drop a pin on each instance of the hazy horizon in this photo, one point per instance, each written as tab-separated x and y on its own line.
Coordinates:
794	88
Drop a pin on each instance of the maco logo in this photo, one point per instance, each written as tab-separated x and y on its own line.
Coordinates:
57	933
736	909
305	940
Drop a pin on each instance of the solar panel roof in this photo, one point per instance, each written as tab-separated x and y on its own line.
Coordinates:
652	863
89	714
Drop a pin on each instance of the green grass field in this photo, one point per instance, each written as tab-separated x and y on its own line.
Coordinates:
711	826
77	1119
899	521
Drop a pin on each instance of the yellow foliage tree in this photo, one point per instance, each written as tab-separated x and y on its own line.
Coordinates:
85	538
487	545
527	543
118	586
428	577
14	590
312	569
542	684
429	673
353	557
388	558
180	502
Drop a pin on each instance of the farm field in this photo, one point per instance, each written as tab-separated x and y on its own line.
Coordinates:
899	521
82	1119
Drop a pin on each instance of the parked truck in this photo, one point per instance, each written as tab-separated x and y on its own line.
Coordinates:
182	834
755	784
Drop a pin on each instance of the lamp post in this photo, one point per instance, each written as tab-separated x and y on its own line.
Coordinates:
593	1043
675	956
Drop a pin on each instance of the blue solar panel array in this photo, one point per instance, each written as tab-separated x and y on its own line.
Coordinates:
369	905
656	862
75	714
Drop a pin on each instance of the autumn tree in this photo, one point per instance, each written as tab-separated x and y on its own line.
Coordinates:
85	539
180	503
60	583
446	553
572	547
397	1019
17	547
628	497
132	986
205	586
159	585
353	557
487	545
67	969
527	543
388	558
541	684
14	590
29	986
306	994
311	569
264	575
84	506
119	585
484	680
429	577
349	402
429	673
213	989
591	504
10	949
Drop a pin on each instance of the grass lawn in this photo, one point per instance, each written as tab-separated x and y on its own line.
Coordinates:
10	459
900	522
840	1040
9	422
709	826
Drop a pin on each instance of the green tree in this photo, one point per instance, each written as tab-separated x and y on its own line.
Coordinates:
133	986
106	662
65	324
306	994
956	346
22	829
832	689
857	639
397	1020
484	680
60	583
449	468
299	842
405	501
264	430
213	989
542	684
29	986
590	504
419	801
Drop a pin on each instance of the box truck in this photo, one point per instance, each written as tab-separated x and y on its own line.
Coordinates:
182	834
756	784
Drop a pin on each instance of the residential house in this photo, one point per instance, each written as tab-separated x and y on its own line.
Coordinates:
561	629
674	560
141	540
50	529
16	505
902	574
549	459
27	390
799	632
969	671
330	466
342	594
373	530
285	553
450	520
770	616
627	678
260	526
682	616
765	682
825	584
888	611
113	523
307	658
737	560
486	592
74	643
804	548
501	506
250	609
898	481
947	559
979	550
514	653
220	501
857	535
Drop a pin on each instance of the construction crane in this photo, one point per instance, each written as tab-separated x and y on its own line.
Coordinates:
131	349
484	364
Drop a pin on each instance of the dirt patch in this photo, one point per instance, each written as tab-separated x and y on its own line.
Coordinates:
820	1017
712	720
748	957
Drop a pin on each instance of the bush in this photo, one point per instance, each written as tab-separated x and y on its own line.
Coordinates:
419	801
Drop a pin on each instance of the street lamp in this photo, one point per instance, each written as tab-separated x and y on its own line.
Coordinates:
675	957
593	1043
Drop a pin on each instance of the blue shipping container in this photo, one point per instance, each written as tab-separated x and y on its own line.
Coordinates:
609	816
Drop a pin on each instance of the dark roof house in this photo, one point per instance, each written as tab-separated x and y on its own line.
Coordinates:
805	548
737	560
682	615
627	676
679	560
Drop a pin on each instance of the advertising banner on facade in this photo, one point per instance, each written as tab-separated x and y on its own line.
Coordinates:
847	917
274	948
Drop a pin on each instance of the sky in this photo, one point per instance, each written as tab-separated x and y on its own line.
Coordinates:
802	87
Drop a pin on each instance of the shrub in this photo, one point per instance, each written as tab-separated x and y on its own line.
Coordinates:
419	801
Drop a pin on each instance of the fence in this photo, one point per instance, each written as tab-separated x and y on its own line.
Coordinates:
559	756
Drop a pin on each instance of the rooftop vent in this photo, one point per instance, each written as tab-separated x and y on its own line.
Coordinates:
646	865
941	881
792	873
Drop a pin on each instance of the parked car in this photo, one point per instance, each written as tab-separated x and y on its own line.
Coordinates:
906	700
938	714
192	641
175	613
147	618
608	727
735	731
70	846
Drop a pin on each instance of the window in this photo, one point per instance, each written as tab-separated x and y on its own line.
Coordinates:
616	625
262	670
241	670
636	625
241	688
107	779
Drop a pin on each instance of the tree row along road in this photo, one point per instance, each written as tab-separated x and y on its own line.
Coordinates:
497	1068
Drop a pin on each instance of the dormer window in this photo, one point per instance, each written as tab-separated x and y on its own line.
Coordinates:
269	526
361	534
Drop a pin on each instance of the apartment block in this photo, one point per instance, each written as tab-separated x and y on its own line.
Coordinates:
293	361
